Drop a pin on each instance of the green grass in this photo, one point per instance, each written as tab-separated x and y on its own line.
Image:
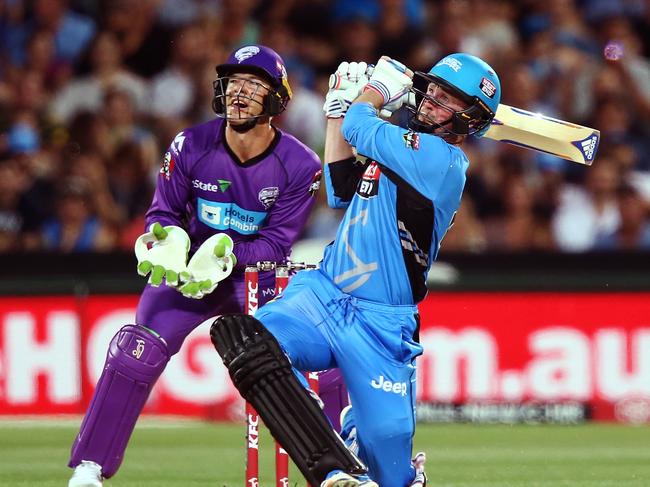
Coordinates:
206	454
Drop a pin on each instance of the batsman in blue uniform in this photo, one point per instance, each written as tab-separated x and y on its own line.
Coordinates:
359	311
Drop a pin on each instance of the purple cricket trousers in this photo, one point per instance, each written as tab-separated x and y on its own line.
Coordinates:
138	355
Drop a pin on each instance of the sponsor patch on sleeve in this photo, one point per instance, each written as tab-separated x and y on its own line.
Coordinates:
167	165
315	182
177	143
412	140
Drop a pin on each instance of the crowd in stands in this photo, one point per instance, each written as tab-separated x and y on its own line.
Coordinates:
93	91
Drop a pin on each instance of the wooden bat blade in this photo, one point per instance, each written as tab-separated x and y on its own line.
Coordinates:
545	134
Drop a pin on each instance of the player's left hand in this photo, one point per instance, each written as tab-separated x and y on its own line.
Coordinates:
211	264
344	86
162	253
392	81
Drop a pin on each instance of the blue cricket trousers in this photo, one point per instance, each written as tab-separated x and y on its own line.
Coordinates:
320	327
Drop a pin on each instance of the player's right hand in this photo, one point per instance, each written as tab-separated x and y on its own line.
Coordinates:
162	253
212	263
345	85
392	81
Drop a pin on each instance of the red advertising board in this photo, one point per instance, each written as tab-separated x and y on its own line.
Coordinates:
480	348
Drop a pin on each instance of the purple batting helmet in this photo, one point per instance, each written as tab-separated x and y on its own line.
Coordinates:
261	61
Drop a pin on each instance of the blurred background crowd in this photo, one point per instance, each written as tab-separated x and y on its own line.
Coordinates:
93	91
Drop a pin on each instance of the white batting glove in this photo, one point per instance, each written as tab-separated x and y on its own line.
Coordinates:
344	86
211	264
392	81
162	251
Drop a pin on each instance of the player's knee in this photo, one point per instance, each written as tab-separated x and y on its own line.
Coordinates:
138	350
248	350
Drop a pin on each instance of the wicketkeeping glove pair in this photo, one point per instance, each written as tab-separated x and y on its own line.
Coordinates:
162	254
390	78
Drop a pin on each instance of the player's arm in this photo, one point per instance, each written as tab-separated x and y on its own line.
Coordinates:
163	249
342	171
422	160
172	187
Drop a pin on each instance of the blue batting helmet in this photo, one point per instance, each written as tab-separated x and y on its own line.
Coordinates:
470	79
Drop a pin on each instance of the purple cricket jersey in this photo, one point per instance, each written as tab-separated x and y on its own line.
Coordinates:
263	204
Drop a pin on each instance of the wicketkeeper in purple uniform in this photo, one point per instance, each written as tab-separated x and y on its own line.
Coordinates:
232	191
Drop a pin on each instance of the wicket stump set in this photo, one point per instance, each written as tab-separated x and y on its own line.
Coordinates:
252	418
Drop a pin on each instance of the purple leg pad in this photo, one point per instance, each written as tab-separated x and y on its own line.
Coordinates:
334	395
136	358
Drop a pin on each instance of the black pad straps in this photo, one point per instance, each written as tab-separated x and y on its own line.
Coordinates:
263	375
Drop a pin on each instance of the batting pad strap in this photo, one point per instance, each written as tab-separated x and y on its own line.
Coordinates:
136	358
263	375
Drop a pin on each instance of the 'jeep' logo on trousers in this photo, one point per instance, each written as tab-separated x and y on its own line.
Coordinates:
388	386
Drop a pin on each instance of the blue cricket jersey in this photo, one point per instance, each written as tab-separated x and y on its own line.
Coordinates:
399	206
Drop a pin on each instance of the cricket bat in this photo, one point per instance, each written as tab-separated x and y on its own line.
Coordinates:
527	129
535	131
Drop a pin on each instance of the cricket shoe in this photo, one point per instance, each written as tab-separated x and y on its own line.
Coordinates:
343	479
87	474
349	430
420	479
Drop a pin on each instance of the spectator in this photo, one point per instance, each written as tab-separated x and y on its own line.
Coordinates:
467	234
144	43
72	31
123	127
88	132
239	27
75	226
585	214
13	181
173	91
520	227
89	80
128	181
87	93
178	13
633	231
89	170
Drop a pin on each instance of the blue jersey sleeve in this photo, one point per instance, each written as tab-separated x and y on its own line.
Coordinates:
334	200
422	160
341	180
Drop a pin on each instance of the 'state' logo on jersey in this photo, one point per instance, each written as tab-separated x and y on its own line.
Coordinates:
214	188
167	165
369	185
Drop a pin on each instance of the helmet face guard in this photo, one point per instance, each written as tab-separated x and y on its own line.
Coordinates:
470	121
265	64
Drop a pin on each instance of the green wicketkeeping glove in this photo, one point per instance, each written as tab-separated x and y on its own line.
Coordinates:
212	263
162	253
